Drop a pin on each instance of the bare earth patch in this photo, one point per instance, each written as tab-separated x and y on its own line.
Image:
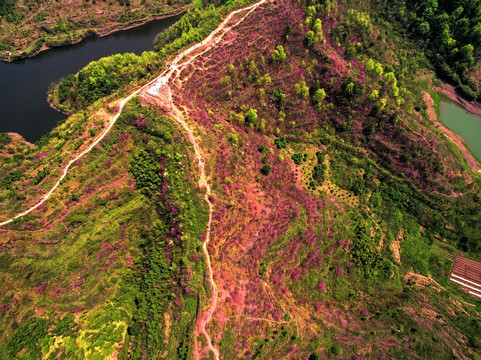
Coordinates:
422	281
396	246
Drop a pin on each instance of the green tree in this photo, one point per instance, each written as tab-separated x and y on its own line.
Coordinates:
423	28
319	97
279	55
266	170
280	142
374	95
349	89
233	139
301	89
370	65
297	158
310	38
390	77
394	90
251	117
382	104
311	10
317	28
319	173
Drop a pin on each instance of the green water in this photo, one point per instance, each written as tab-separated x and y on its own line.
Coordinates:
463	123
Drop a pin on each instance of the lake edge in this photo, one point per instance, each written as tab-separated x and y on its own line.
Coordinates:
444	101
99	33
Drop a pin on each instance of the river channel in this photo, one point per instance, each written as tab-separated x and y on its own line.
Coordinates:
24	84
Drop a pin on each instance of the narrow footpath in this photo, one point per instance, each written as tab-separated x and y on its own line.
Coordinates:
166	74
206	316
176	67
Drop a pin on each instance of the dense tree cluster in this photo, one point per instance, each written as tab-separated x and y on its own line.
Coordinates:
195	25
7	11
450	32
101	78
160	175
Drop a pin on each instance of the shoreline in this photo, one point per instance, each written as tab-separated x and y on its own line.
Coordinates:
18	137
472	162
449	91
49	102
101	33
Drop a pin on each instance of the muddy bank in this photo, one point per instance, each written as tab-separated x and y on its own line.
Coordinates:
450	92
19	139
455	138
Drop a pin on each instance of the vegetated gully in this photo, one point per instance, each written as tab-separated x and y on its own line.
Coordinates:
205	45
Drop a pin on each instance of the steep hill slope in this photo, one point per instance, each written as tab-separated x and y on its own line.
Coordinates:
337	207
329	188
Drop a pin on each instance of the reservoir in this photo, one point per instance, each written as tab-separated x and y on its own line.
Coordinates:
24	83
463	123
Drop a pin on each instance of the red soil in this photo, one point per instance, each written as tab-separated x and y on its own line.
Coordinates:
449	91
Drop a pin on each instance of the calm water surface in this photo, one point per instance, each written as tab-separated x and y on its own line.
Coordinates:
463	123
24	84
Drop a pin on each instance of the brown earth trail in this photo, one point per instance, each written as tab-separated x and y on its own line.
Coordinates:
205	45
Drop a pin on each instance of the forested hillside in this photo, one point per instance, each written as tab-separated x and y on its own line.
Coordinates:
450	34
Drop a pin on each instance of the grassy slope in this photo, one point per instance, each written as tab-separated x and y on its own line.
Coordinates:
104	256
27	26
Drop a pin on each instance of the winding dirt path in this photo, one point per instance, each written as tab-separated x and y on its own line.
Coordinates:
121	105
205	45
167	73
206	316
